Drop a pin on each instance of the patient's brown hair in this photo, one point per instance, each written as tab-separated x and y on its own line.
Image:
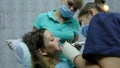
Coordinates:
34	41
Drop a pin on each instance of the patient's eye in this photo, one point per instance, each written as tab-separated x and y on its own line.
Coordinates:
52	38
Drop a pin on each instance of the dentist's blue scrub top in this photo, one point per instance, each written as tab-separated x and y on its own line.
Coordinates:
103	36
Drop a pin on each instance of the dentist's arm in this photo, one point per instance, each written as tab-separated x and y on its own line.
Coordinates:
73	54
76	57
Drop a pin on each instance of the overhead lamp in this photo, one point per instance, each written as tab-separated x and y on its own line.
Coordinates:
104	7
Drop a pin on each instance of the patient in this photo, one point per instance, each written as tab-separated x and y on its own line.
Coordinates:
43	50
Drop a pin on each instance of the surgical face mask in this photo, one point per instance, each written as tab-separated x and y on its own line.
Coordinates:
84	30
66	12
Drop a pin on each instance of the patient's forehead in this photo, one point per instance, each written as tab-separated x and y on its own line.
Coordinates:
47	34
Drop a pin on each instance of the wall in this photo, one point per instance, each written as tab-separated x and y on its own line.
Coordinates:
16	18
114	5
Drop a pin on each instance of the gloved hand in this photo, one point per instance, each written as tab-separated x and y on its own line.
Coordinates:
69	51
78	44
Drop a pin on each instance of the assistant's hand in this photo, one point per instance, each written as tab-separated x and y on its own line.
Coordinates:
69	51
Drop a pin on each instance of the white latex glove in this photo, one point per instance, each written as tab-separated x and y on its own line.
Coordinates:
69	51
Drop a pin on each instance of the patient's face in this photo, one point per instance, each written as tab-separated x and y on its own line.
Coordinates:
51	43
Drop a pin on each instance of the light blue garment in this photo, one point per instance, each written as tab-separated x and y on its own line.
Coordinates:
22	53
66	12
66	61
63	64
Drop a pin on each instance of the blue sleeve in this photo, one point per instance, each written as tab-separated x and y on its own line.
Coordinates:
37	22
40	20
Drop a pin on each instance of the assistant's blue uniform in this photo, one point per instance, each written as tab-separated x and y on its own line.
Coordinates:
103	36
